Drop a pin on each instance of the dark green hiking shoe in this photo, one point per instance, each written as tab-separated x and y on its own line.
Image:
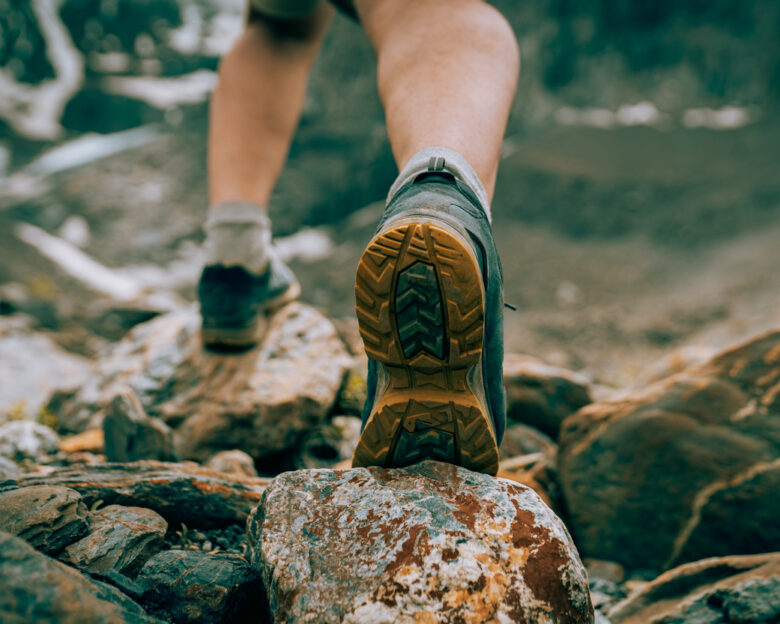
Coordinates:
235	304
243	281
429	301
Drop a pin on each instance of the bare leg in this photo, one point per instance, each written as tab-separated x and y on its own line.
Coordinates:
428	302
254	112
447	73
257	104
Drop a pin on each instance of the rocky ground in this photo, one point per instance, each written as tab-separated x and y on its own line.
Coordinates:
143	479
141	494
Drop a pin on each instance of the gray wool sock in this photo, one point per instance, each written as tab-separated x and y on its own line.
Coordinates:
238	234
442	159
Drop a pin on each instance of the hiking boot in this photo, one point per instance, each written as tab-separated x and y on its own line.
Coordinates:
243	281
429	301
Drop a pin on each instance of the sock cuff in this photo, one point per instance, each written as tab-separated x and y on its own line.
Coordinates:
236	212
442	159
238	234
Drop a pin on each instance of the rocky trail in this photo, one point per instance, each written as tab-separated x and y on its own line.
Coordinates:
172	484
637	214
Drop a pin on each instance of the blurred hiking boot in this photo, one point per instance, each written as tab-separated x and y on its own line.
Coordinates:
429	300
243	280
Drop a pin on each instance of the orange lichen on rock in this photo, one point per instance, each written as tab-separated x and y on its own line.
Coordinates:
412	544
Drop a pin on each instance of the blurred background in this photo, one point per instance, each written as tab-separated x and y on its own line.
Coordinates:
638	203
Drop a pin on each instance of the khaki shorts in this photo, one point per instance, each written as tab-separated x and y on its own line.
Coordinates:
296	8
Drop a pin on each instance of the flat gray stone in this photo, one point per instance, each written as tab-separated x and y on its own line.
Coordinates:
120	538
232	462
521	439
130	435
48	518
182	492
724	590
8	469
33	366
36	588
24	439
260	401
190	586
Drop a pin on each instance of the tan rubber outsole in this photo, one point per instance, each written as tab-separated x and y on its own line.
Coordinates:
419	299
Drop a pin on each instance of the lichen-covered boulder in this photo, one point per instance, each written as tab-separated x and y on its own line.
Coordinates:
428	543
685	469
260	401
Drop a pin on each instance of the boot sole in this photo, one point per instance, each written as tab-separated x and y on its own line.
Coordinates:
420	306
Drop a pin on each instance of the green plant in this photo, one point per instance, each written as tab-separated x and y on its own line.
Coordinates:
17	411
185	539
47	417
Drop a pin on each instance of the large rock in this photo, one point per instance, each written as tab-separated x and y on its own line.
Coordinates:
24	439
542	396
728	590
538	473
260	401
33	366
35	588
521	439
89	441
130	435
685	469
8	469
189	586
120	538
676	362
178	492
48	518
328	445
529	457
232	462
427	543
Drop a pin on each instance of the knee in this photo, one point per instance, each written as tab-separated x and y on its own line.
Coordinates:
498	35
474	21
290	37
289	29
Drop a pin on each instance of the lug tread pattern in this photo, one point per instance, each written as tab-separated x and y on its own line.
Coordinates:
418	311
410	431
420	307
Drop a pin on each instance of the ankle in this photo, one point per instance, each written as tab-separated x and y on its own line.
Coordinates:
442	160
238	234
237	211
